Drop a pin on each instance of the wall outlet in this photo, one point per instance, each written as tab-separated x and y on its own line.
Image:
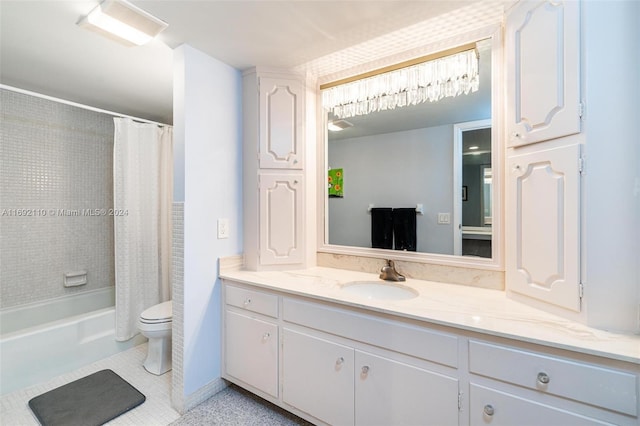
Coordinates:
223	228
444	218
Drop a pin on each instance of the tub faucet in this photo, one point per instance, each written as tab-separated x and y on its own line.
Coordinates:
389	273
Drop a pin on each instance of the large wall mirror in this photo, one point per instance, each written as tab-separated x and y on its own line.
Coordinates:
440	158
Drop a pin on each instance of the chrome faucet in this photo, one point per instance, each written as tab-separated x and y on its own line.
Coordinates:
389	273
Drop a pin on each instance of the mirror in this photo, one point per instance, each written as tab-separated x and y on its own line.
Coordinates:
414	157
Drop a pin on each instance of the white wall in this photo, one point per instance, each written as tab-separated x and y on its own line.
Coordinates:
611	55
417	170
207	126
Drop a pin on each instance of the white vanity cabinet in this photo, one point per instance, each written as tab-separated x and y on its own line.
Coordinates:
336	364
509	385
251	339
344	367
273	172
391	392
341	385
317	377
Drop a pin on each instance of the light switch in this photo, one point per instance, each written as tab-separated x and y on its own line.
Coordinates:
444	218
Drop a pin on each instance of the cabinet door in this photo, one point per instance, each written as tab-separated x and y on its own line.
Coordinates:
251	351
492	407
390	392
281	218
281	124
543	71
317	377
543	226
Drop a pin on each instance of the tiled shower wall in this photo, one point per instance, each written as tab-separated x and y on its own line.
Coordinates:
56	180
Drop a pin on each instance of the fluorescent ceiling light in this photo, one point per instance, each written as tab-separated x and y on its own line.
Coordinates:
338	125
471	148
123	22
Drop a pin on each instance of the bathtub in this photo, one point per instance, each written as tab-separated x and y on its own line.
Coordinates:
42	340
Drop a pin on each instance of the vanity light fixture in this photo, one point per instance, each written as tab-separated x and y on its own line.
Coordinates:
338	125
122	21
429	78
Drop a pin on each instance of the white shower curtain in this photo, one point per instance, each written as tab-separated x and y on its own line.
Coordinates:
143	193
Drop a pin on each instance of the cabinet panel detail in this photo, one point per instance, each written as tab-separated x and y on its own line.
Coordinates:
317	377
543	88
543	252
601	387
389	392
281	218
492	407
281	110
251	351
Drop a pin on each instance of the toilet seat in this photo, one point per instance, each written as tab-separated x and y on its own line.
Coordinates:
157	314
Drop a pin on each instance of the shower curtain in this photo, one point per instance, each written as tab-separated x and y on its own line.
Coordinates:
143	193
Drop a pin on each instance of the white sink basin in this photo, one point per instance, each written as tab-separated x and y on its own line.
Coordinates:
380	290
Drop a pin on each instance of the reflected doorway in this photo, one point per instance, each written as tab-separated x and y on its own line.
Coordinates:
475	177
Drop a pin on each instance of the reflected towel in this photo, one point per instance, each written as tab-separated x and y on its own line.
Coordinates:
404	228
382	227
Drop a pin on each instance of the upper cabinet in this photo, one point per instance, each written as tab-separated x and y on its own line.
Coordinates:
544	225
572	197
543	69
274	173
281	123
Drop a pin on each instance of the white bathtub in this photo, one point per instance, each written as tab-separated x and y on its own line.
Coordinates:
42	340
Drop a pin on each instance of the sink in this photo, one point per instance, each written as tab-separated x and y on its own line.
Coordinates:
379	290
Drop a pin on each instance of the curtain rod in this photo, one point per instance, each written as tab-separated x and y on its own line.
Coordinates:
75	104
400	65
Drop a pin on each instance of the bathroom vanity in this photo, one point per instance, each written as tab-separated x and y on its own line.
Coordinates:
447	354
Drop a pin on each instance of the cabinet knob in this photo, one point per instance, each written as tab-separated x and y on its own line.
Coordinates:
340	361
365	370
489	410
247	301
295	161
266	336
543	378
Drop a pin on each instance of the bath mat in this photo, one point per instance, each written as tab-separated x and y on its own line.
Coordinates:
92	400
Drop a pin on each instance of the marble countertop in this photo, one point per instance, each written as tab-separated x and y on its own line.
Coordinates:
468	308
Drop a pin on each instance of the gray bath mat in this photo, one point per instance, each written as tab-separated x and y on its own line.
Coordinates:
92	400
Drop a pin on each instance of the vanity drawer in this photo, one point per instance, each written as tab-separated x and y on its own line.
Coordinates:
252	300
430	345
602	387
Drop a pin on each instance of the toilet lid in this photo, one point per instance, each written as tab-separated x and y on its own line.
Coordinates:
162	311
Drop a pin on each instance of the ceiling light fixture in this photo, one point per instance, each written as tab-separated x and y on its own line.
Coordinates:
123	22
429	78
338	125
471	148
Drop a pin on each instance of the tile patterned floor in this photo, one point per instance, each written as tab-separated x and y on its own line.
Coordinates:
232	406
156	410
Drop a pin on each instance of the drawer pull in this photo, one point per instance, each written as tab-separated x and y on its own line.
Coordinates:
488	410
247	301
340	361
543	378
365	370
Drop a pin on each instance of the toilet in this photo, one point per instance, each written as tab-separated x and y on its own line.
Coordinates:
155	324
